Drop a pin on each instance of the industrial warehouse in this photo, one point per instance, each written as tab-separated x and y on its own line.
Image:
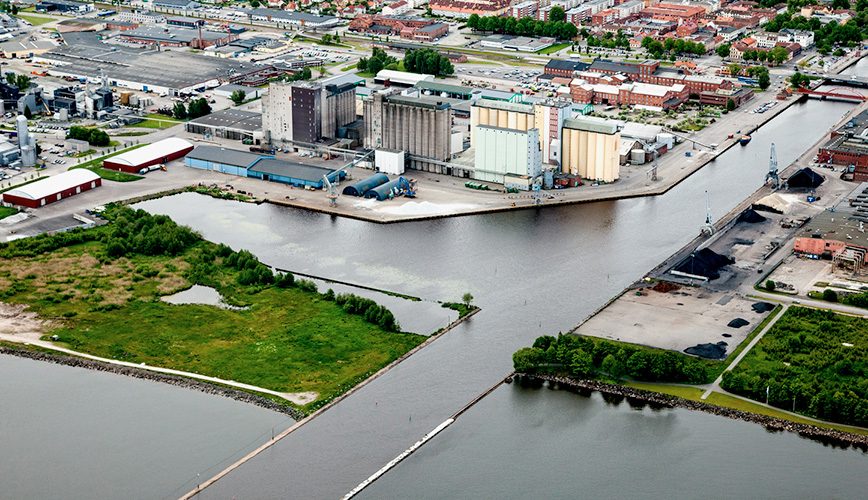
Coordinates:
136	160
53	189
264	167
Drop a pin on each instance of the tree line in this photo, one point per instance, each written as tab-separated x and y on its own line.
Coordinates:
556	26
198	107
672	46
589	357
93	136
428	61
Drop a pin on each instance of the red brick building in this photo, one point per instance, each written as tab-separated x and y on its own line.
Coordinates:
673	12
52	189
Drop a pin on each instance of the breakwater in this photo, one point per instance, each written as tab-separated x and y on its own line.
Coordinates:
175	380
831	437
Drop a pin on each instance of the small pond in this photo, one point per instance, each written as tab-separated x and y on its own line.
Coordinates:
198	294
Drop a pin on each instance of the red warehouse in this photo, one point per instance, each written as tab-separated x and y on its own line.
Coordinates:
152	154
53	189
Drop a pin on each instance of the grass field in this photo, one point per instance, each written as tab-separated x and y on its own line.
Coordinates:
7	211
288	339
35	20
554	48
96	166
149	123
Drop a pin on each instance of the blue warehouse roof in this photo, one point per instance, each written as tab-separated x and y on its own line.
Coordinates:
291	170
232	157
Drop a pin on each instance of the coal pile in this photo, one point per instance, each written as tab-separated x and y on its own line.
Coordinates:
805	178
761	307
737	323
664	287
708	351
705	263
751	216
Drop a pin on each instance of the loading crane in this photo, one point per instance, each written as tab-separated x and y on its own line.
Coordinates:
772	175
708	227
651	172
333	187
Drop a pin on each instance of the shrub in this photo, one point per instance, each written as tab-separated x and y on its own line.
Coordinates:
830	295
770	285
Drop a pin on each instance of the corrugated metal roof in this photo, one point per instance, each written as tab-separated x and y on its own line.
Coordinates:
290	169
151	152
55	184
225	156
505	106
591	126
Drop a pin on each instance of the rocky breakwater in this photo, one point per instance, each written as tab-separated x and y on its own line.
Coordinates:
830	437
188	383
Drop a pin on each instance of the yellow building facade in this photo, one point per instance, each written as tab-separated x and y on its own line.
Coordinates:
590	150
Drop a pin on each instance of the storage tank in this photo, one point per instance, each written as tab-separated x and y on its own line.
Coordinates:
364	185
667	139
28	156
548	179
63	115
134	101
637	156
21	128
125	98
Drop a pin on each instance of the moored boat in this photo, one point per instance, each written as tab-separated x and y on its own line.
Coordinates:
744	140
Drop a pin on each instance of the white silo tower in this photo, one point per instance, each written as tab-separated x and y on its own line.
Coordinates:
21	128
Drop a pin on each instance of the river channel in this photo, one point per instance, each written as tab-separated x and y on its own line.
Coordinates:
533	272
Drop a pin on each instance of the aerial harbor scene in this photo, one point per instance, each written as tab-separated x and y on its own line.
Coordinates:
334	249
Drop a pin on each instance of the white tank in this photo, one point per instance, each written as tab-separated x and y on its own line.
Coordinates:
637	156
28	156
21	128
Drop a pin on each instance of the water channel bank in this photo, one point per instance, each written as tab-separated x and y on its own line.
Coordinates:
184	382
827	436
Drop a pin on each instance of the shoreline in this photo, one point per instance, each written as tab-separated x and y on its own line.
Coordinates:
826	436
176	380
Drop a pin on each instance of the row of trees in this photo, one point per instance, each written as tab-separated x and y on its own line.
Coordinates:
586	356
672	46
760	73
372	312
20	81
428	61
93	136
198	107
526	26
608	40
378	61
295	76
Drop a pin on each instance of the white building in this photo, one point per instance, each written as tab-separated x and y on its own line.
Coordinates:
396	8
802	37
629	8
502	151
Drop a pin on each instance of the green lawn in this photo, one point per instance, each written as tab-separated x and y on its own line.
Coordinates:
288	339
96	166
717	370
35	20
149	123
7	211
350	67
157	116
554	48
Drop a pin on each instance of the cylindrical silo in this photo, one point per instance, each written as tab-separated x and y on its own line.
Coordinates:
21	128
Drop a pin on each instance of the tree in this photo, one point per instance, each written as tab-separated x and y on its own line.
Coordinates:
467	298
254	3
473	21
526	359
179	111
557	14
778	55
23	82
830	295
840	4
730	105
362	65
238	96
27	113
763	79
582	364
798	79
734	69
10	78
770	285
198	107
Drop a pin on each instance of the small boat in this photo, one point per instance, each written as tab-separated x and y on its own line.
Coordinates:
744	140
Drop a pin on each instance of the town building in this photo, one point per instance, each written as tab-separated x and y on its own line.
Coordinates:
64	6
673	12
848	146
185	22
524	9
230	123
408	28
644	95
177	37
140	17
292	18
53	189
175	4
565	68
466	8
24	48
396	8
